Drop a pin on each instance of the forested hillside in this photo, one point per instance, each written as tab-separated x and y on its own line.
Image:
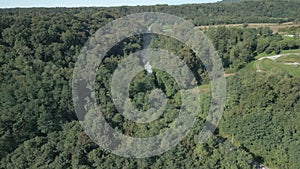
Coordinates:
274	11
237	0
38	124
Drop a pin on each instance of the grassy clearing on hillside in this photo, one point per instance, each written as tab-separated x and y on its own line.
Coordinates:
289	59
275	27
277	67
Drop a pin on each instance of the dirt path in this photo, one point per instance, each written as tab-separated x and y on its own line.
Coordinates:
228	74
274	57
257	67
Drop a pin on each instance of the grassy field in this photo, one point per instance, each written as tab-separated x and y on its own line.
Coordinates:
289	59
273	26
276	66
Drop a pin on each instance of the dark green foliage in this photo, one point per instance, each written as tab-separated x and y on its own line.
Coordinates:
38	125
239	46
262	114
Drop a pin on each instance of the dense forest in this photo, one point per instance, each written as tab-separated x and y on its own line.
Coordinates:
38	125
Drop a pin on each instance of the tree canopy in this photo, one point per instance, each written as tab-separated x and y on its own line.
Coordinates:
38	124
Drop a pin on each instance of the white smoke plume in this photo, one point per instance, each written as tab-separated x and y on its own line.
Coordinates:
148	67
146	39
